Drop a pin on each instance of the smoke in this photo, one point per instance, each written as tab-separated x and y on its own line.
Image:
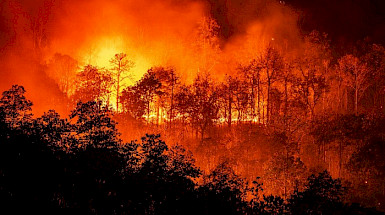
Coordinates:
151	32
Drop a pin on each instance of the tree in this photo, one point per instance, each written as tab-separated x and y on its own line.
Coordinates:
62	68
287	78
163	182
224	191
94	127
198	104
226	93
183	102
169	81
252	74
283	172
236	96
344	130
121	66
374	59
367	168
309	88
204	108
312	66
322	195
15	109
181	163
148	87
271	64
53	129
93	84
133	102
355	76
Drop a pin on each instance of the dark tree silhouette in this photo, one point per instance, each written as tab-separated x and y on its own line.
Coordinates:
169	82
15	109
200	104
121	67
271	64
133	102
223	191
93	126
149	86
322	194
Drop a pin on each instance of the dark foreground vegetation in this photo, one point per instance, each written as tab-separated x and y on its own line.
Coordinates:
79	165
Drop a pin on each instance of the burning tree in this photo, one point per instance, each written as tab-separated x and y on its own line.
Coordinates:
148	87
93	84
199	103
235	96
312	67
121	67
252	74
133	102
271	64
355	74
63	68
169	82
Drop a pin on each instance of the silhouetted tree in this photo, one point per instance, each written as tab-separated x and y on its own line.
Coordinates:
15	109
367	168
312	66
183	101
252	74
121	66
224	192
322	195
94	127
203	107
148	87
55	130
93	84
271	64
169	82
133	102
237	97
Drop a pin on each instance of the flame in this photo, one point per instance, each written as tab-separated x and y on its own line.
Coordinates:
106	49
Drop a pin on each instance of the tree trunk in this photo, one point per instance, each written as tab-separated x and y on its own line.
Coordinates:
268	101
118	86
356	101
172	100
340	164
148	112
286	106
230	108
258	101
339	92
252	99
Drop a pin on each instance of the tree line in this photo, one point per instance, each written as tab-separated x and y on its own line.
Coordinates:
79	165
277	88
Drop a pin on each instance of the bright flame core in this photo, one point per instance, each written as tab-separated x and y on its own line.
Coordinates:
105	49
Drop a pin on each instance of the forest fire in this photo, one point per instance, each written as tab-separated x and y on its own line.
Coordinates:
193	106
